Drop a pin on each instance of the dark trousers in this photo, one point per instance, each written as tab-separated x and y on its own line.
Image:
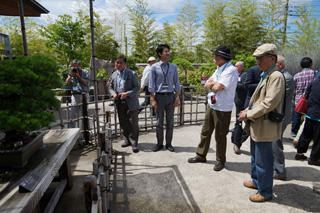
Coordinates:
165	104
218	121
311	131
147	99
128	120
296	122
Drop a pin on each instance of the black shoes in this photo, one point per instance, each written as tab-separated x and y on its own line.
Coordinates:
300	157
126	143
135	148
157	147
197	159
218	167
170	148
314	162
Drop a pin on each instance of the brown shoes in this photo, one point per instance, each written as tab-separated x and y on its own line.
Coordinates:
197	159
277	177
259	198
249	184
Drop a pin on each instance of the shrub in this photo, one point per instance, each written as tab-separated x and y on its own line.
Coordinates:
25	94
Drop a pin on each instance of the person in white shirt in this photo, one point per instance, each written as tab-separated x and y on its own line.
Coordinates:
222	85
145	84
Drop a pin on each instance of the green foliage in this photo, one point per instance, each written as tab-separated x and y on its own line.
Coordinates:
66	38
247	58
131	63
274	18
215	22
102	74
143	33
307	29
194	76
246	27
25	93
187	31
35	42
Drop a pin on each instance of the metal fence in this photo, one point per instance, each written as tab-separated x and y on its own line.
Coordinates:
190	111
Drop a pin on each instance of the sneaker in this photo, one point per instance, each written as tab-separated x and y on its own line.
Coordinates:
126	143
300	157
293	134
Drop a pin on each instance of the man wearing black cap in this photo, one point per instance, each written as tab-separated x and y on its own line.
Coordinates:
222	85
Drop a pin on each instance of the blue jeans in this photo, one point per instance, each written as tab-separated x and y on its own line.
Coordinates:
296	122
262	166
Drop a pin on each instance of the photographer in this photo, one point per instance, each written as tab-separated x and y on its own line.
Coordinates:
80	82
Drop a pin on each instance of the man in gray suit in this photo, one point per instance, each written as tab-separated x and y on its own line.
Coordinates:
124	89
277	146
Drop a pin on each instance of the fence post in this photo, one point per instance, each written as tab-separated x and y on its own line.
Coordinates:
104	192
86	132
182	106
89	183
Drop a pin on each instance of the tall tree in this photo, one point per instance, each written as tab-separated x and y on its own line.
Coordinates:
306	29
66	38
246	27
167	35
188	28
274	11
216	23
142	31
35	42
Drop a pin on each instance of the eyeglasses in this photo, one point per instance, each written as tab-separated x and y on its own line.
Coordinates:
259	58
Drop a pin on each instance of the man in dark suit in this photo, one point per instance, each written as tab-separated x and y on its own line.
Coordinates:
124	88
252	80
239	101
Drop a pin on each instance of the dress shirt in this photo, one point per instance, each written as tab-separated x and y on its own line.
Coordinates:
164	73
145	76
302	79
227	75
120	81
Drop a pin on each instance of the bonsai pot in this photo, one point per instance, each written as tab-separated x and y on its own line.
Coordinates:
20	157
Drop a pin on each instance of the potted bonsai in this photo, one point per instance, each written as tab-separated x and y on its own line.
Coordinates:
25	97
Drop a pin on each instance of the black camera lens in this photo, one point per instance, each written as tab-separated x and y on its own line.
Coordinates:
75	69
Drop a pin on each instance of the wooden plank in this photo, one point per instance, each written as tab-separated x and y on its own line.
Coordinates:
56	196
45	163
65	172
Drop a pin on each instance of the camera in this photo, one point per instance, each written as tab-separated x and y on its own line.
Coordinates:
213	99
75	69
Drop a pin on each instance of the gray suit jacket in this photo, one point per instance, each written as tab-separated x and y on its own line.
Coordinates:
290	86
131	85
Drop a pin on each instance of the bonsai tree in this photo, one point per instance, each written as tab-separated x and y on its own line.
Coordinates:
184	65
25	95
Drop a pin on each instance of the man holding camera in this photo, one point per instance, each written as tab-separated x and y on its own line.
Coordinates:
80	82
264	113
124	88
222	86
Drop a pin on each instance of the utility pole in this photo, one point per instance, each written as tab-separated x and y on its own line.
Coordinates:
285	23
125	40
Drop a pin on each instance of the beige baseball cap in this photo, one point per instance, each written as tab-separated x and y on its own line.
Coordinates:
151	59
265	49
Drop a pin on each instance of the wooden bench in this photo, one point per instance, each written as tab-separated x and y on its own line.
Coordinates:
53	159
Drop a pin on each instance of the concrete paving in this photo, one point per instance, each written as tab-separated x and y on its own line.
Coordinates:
166	182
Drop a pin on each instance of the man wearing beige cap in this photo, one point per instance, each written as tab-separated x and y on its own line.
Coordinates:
145	83
263	117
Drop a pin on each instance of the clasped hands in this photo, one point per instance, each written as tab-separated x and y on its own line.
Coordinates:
243	115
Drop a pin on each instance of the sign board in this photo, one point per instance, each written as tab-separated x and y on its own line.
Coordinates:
30	183
203	80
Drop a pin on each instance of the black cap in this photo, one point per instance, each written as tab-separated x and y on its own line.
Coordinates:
223	51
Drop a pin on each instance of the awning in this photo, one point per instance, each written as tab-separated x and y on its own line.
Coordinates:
31	8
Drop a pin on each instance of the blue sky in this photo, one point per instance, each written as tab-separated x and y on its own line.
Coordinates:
162	10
